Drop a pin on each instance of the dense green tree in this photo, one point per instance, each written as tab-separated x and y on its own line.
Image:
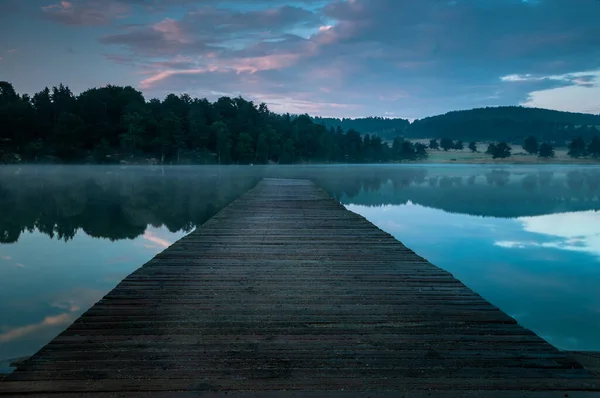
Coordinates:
421	151
244	148
262	149
501	150
593	148
68	132
546	150
407	151
433	144
577	148
223	142
112	124
473	146
384	128
446	144
531	145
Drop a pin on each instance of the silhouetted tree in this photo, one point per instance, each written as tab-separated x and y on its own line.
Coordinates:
421	151
501	150
546	150
446	144
433	144
113	123
473	146
531	145
459	146
593	148
577	148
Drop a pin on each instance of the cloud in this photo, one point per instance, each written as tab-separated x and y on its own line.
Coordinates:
211	29
582	95
579	231
78	13
439	55
73	303
6	258
362	54
152	237
48	322
515	244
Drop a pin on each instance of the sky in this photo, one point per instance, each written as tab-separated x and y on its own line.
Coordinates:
340	58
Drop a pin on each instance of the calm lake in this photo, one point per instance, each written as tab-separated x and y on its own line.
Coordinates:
526	238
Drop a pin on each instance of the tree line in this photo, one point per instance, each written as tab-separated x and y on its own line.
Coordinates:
505	123
115	123
578	147
386	128
508	124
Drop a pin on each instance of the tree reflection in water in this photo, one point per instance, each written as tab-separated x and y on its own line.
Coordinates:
119	203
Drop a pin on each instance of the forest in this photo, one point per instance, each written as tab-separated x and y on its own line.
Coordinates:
504	123
509	124
116	124
386	128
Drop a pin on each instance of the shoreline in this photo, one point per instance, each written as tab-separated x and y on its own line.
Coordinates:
557	162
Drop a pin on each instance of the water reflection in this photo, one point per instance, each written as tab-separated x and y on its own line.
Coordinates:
118	203
526	238
542	270
112	203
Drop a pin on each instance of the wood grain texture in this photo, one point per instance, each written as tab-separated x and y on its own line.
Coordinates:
285	289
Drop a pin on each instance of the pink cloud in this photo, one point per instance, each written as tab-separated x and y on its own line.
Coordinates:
152	237
294	104
268	62
151	81
12	50
7	258
237	65
68	305
171	30
89	14
48	322
77	299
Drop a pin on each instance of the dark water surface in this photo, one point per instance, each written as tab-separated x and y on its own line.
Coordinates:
525	238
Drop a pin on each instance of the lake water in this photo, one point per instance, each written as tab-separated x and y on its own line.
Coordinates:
526	238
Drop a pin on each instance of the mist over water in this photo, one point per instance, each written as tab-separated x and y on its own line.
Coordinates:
526	238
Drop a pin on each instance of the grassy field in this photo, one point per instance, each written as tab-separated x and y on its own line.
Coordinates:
518	156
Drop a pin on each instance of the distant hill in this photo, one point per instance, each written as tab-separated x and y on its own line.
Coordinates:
385	128
507	123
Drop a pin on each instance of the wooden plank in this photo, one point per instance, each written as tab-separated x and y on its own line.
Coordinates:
285	289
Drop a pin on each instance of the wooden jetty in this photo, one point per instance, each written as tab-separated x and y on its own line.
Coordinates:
286	293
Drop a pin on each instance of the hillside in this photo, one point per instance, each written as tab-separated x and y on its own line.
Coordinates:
507	123
385	128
